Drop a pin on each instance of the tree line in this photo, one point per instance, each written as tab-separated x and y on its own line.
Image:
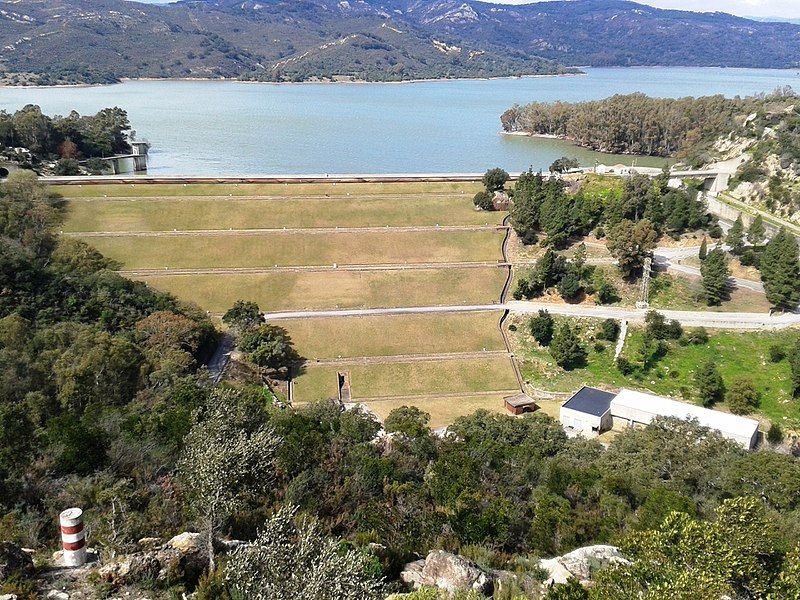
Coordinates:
71	138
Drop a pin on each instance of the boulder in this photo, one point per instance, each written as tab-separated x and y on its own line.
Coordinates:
448	572
14	560
130	568
8	597
149	543
57	595
581	563
187	542
412	573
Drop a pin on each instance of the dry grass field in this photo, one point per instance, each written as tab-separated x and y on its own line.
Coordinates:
371	382
300	249
336	289
393	335
151	190
219	212
443	409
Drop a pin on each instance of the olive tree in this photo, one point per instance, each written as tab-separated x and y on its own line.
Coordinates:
288	560
228	458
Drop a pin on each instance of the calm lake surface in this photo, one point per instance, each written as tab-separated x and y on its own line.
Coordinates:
229	128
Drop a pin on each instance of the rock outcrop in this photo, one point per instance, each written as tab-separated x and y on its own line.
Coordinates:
581	563
449	572
14	560
182	558
453	573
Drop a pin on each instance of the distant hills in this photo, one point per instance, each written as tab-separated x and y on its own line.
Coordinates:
51	41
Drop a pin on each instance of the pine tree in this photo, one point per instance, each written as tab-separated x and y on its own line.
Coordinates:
566	348
715	272
710	386
631	243
756	231
528	196
780	271
735	237
541	327
703	249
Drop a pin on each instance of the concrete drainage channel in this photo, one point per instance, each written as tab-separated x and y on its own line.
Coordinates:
506	312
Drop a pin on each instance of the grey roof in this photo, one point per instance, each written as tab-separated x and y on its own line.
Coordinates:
519	400
591	401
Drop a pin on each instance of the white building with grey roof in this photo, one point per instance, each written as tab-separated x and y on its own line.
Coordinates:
590	411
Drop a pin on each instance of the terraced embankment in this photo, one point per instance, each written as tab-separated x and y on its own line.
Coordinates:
316	246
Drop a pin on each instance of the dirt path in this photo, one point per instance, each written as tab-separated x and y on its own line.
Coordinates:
284	231
170	272
403	358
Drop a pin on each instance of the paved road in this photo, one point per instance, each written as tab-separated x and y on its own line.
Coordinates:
664	257
368	312
719	320
221	357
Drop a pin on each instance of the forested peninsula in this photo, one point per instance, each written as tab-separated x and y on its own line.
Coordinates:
638	124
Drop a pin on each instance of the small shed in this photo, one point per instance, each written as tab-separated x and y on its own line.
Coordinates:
520	404
588	412
501	201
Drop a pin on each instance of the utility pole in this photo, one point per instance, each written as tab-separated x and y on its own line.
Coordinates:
644	290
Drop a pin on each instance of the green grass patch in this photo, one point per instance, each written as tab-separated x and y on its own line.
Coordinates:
336	289
735	353
395	334
297	249
193	213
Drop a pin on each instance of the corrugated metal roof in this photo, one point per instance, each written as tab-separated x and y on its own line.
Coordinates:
660	406
591	401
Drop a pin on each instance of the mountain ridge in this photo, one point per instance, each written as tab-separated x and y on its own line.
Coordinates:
54	41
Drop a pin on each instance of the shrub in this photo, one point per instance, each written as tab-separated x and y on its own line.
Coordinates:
775	433
624	366
484	200
695	337
715	231
542	327
609	330
599	347
68	167
776	353
742	397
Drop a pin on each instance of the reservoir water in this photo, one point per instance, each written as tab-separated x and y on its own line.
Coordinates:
231	128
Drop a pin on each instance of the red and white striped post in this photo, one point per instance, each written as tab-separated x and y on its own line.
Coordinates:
73	538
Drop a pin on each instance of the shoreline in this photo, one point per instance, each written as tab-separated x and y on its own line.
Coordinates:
275	83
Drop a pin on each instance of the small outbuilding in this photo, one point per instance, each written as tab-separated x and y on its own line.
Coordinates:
520	404
588	412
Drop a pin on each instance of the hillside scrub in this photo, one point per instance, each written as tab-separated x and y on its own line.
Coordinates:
103	405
